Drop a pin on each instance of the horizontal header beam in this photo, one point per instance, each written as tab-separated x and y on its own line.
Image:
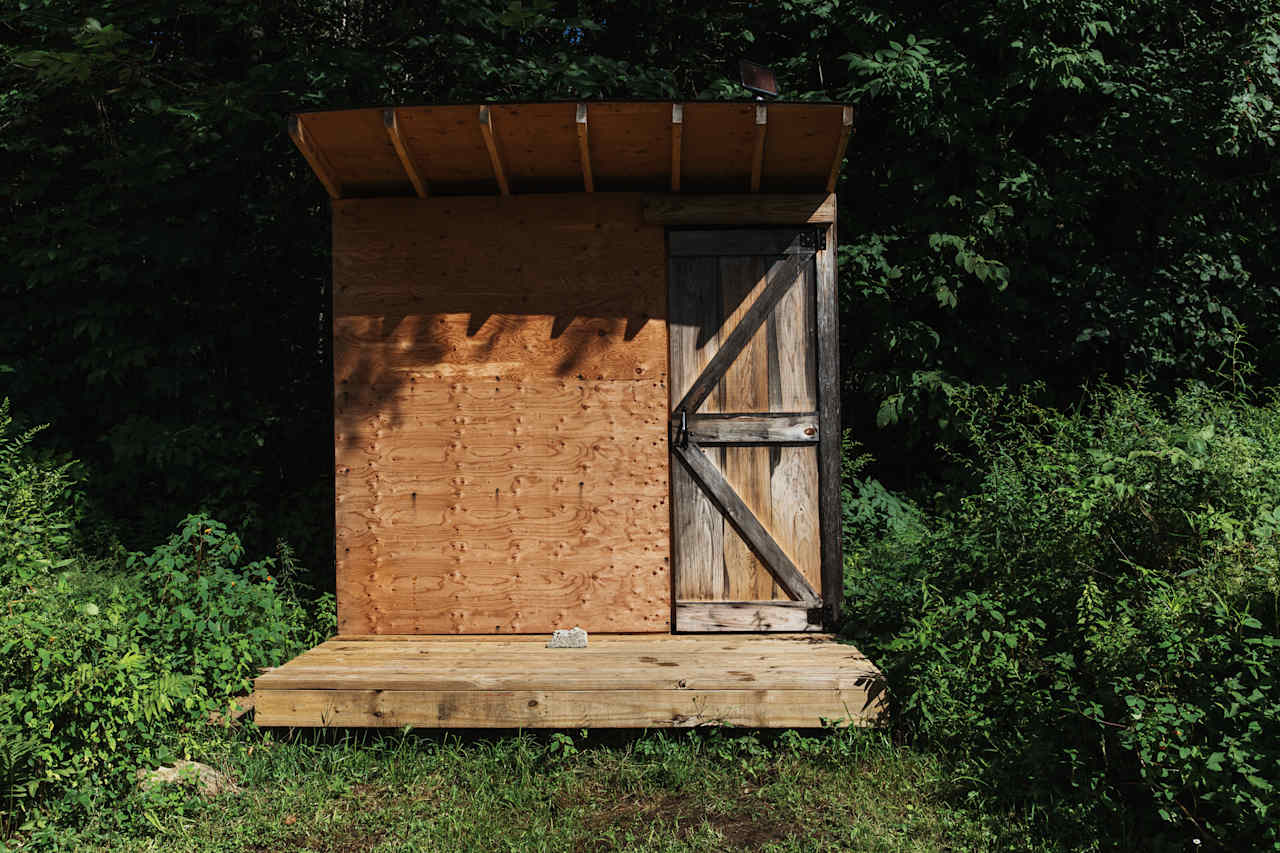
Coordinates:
757	209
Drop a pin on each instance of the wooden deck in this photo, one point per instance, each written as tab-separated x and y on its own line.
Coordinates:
619	681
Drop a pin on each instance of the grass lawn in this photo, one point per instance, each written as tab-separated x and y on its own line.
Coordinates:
707	790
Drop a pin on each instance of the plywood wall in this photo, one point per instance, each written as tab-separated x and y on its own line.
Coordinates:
500	415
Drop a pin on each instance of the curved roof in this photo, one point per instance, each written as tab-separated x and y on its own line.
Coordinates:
485	149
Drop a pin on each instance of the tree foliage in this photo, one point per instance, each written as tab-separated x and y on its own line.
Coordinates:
1047	190
1044	192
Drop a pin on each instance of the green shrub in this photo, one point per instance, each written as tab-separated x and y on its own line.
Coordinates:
206	615
104	667
1096	623
37	503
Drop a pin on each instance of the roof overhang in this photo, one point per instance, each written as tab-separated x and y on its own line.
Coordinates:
489	149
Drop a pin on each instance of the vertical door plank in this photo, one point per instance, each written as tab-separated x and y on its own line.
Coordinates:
697	541
794	323
828	340
794	483
697	528
745	388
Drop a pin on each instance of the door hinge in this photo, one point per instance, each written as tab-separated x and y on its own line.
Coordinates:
680	428
820	239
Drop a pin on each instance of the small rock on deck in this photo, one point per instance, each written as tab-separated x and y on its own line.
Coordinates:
618	681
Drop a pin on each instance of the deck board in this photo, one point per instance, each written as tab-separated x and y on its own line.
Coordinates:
619	681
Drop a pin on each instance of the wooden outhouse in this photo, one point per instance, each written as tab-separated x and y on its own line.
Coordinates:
586	374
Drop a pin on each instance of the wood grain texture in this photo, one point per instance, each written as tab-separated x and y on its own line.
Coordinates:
744	616
698	529
754	408
565	709
406	159
784	680
716	147
846	128
748	526
828	338
356	147
693	320
584	149
677	137
697	541
314	156
800	139
741	243
719	143
490	136
575	291
743	324
745	388
631	147
793	478
444	140
753	429
539	146
746	470
501	458
744	642
762	209
505	507
757	157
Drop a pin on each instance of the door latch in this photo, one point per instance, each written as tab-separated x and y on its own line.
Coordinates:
682	430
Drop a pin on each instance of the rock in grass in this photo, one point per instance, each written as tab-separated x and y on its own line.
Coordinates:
207	781
574	638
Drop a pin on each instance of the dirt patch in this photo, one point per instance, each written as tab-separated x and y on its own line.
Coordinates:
634	814
351	839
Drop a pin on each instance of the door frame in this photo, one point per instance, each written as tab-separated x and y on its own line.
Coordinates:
764	210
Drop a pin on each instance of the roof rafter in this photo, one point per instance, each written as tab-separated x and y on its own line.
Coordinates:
677	141
846	127
402	151
315	158
757	158
491	143
584	150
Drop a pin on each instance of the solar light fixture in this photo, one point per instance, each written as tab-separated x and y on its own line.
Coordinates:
757	79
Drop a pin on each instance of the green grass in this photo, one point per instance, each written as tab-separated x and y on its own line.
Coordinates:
704	791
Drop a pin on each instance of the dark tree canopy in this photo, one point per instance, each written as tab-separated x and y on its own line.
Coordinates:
1040	192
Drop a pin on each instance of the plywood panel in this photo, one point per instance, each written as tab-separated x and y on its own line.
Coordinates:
447	145
539	145
719	144
630	145
355	144
800	140
501	416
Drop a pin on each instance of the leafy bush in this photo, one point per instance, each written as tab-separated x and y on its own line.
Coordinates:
1097	620
107	667
37	503
208	616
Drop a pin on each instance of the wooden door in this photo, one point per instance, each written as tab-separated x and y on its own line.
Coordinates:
754	432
